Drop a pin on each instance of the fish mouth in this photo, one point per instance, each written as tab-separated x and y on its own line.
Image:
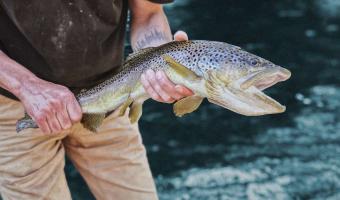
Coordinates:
246	95
266	78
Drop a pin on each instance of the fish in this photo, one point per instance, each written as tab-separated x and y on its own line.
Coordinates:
224	74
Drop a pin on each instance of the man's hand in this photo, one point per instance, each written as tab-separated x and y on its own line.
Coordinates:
53	107
150	28
159	87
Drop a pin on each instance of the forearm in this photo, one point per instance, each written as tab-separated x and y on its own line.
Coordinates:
13	75
53	107
148	30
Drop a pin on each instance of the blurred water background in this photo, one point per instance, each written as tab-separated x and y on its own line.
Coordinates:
214	154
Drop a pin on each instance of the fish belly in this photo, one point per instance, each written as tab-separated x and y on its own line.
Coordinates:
105	103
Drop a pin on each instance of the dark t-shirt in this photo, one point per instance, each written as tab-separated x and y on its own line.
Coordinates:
76	43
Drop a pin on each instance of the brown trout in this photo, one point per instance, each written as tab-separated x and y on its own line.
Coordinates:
223	73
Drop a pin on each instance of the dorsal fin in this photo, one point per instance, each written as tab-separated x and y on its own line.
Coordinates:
138	53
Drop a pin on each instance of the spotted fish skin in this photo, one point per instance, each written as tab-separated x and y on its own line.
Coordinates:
223	73
199	56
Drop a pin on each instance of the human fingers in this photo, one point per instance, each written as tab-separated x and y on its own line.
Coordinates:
168	86
181	36
151	77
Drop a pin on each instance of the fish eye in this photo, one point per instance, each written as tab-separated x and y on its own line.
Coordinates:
254	62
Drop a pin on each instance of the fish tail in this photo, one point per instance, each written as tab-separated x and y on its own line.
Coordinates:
25	123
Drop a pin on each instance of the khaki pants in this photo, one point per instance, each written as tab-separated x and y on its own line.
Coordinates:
113	161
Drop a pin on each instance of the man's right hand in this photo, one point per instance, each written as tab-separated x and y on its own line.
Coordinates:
53	107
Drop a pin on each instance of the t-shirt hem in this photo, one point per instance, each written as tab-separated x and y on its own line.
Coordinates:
162	1
7	94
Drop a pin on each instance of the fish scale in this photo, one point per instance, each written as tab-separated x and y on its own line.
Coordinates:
223	73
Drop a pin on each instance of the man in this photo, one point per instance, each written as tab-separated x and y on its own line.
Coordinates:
50	48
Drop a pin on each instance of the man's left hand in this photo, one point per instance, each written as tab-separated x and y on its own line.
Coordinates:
158	85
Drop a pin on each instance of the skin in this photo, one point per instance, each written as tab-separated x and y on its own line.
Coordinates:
158	85
55	108
149	17
52	106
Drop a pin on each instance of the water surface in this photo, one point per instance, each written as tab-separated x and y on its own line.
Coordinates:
214	154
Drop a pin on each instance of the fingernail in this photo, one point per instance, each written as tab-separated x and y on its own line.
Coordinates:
167	98
181	35
180	32
178	89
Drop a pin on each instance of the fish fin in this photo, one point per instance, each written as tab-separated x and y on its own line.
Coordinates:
213	88
187	105
235	47
138	53
124	106
25	123
92	121
136	110
180	69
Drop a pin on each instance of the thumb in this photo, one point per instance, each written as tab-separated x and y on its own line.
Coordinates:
74	111
181	36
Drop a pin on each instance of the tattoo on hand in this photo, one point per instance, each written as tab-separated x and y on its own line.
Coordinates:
154	37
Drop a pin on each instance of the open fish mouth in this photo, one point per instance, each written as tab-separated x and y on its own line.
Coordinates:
266	78
246	96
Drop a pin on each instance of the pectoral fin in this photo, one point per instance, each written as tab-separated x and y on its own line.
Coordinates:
187	105
123	107
92	121
136	110
180	69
